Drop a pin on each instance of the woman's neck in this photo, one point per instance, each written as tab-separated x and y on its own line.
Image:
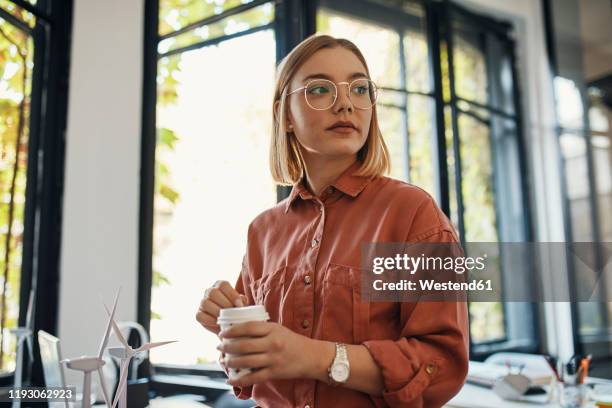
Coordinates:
322	172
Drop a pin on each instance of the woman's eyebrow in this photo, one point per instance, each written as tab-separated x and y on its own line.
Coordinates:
324	76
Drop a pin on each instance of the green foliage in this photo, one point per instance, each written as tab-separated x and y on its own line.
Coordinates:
15	81
159	279
166	140
166	137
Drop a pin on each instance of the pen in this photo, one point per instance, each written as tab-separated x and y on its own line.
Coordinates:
552	363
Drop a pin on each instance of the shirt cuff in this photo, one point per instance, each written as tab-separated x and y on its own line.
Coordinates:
404	381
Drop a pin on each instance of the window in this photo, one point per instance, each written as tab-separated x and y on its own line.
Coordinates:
485	162
398	62
33	71
483	177
17	49
579	37
201	71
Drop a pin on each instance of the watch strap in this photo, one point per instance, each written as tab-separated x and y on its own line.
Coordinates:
341	357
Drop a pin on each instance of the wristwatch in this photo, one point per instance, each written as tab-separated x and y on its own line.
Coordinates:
340	368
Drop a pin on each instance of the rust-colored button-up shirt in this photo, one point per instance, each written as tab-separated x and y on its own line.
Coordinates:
303	263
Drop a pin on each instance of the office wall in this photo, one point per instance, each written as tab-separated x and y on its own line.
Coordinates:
100	218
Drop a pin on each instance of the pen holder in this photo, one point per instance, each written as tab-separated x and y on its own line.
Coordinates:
572	395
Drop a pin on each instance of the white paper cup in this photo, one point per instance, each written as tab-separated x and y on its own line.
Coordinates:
236	315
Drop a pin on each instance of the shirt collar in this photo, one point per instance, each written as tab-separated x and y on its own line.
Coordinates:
348	183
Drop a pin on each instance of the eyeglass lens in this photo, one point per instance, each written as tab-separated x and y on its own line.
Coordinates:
321	94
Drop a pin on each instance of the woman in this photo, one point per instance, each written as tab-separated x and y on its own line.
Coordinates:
303	257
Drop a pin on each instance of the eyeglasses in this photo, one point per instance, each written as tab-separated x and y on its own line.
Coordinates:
321	94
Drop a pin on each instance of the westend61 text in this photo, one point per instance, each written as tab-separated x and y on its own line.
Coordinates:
431	284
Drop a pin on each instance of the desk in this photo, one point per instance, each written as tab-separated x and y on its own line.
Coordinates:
175	402
474	396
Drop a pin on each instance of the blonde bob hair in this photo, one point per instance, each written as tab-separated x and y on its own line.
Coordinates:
286	162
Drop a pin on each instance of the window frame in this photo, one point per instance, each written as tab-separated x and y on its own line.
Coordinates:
293	21
45	171
597	344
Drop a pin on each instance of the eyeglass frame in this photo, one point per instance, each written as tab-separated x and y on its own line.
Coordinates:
305	87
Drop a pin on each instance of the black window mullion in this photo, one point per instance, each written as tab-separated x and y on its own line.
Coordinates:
439	148
15	21
490	70
212	19
147	160
448	37
37	10
215	41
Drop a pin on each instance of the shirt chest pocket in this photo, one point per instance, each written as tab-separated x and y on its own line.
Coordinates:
269	291
344	317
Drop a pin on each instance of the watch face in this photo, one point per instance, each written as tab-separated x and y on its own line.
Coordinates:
340	372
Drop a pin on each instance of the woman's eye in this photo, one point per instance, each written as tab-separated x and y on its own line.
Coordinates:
318	90
360	90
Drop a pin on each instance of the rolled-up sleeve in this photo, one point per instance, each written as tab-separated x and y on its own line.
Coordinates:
243	287
428	364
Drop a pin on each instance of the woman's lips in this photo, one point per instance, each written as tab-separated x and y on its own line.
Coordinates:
345	130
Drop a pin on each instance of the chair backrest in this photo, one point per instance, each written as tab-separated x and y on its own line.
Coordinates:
51	355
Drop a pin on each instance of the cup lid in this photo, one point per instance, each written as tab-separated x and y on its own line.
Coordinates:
255	312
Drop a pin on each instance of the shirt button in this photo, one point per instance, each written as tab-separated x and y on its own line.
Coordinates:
307	279
314	243
305	324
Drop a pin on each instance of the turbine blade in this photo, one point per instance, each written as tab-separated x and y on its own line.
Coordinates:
149	346
119	335
108	325
103	386
121	387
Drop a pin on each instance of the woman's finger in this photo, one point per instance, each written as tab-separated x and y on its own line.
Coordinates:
210	308
245	345
214	295
209	322
258	360
230	293
255	377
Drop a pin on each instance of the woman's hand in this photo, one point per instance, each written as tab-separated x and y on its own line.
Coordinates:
272	349
220	296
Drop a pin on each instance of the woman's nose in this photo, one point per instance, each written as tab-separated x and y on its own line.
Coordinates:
343	101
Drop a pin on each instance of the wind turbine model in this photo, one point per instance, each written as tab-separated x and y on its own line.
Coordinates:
23	334
88	364
125	354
